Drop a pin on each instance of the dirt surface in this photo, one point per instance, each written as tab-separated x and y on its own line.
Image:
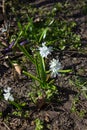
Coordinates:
58	114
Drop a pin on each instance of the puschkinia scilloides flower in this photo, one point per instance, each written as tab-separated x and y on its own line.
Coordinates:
7	95
44	50
55	66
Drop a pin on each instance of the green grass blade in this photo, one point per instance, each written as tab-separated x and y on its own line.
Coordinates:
26	53
32	76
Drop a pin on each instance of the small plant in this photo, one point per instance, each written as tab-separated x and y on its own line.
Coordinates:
46	69
39	124
75	107
75	101
81	84
43	84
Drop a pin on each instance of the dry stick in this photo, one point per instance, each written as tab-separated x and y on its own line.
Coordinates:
6	126
5	17
4	12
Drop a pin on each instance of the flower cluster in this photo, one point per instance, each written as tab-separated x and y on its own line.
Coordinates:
7	95
55	65
44	50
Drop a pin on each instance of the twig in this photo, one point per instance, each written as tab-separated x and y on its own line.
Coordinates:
6	126
4	12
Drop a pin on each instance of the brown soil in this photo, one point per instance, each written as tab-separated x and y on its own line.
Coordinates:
56	115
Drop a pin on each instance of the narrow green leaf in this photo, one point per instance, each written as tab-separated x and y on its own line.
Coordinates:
43	35
26	53
20	26
18	106
65	71
32	76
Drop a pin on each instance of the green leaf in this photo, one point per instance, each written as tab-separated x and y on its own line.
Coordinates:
26	53
32	76
18	106
20	26
65	71
40	68
43	35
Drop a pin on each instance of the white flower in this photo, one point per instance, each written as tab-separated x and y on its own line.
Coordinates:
8	95
55	65
44	50
7	90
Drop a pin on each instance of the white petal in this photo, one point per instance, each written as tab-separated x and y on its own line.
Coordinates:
55	65
44	50
7	90
11	98
6	96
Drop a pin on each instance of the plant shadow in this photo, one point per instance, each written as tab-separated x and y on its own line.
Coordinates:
3	69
